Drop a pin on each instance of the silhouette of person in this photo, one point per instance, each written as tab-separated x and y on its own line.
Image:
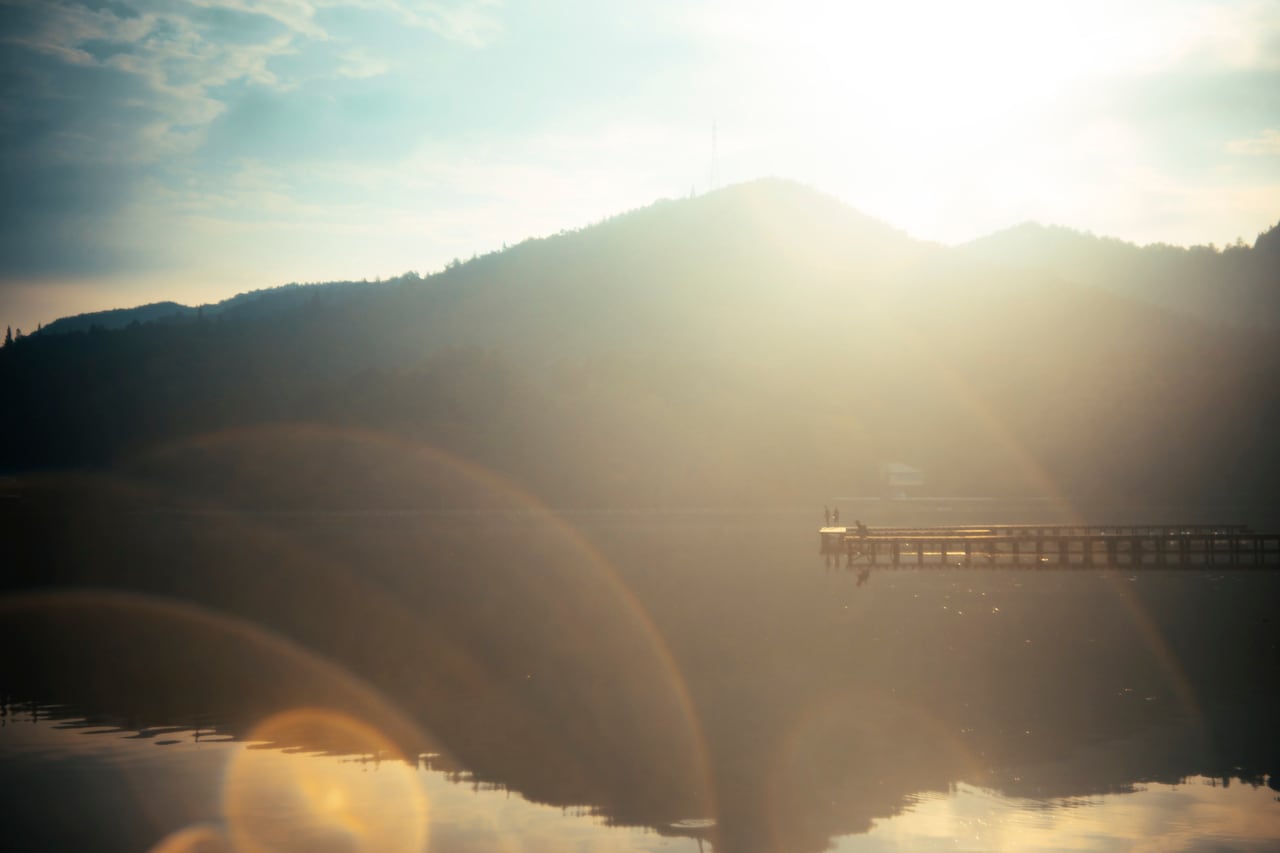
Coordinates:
835	516
826	514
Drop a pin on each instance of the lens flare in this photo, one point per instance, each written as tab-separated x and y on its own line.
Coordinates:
572	603
194	839
356	793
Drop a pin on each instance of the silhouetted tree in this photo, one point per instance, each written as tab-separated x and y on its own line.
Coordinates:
8	335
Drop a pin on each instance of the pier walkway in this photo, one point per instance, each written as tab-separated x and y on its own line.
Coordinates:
1029	545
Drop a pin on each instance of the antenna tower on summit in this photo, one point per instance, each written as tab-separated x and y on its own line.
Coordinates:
713	181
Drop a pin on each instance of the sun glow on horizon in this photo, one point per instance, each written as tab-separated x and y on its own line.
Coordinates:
323	143
951	122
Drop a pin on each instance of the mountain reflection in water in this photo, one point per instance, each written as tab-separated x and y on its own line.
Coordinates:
703	676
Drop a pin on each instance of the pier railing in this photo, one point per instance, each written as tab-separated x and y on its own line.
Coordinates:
1029	545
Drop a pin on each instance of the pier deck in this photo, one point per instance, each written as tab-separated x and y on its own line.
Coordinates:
1029	545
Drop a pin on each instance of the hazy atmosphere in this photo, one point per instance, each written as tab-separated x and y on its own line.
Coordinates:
731	427
192	150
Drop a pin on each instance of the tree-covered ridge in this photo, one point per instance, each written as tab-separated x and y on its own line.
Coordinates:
1238	284
265	300
760	344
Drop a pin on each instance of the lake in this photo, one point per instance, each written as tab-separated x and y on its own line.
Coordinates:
514	679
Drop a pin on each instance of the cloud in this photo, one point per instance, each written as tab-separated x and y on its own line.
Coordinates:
1242	35
359	64
93	95
101	97
297	16
1265	144
125	83
471	22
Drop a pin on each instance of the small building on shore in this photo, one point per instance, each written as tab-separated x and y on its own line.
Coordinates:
900	480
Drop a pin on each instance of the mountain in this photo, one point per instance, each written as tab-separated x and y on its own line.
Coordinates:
118	318
1239	285
267	301
763	344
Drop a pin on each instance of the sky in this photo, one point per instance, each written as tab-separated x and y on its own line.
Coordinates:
194	149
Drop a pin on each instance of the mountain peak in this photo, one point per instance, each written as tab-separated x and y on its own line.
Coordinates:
781	198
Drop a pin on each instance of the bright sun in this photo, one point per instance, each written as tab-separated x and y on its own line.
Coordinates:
974	97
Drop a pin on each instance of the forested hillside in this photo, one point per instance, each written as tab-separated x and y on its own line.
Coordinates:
1238	285
759	345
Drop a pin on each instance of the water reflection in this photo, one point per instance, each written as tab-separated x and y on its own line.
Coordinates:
111	792
1198	813
273	802
704	677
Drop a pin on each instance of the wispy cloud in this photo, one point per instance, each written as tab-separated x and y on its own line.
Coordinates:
1241	36
1265	144
103	102
157	62
359	64
297	16
187	53
472	22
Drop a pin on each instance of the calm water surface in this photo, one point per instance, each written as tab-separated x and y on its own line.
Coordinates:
614	681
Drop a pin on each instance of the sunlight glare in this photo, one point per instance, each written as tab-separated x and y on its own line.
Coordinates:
906	105
362	797
1154	817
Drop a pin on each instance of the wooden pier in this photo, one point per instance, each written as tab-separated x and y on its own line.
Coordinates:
1052	545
